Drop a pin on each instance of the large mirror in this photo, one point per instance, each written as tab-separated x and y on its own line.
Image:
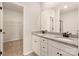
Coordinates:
50	17
60	17
69	18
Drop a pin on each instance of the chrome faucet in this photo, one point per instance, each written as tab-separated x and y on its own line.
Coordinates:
66	34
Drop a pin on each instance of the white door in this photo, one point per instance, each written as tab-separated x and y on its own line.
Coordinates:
1	27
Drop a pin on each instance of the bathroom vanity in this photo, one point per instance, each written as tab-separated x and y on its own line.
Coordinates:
57	20
50	44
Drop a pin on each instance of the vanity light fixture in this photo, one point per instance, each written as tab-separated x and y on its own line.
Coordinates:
65	6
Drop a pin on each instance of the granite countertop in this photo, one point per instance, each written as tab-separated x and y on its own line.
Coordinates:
58	38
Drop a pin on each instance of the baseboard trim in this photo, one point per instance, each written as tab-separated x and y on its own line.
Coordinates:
25	54
12	40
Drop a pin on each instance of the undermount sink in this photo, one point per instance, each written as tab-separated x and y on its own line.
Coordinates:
58	37
63	38
67	39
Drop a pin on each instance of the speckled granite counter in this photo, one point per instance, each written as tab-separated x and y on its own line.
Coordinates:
58	38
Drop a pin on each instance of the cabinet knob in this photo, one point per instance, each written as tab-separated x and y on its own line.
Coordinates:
57	52
0	8
43	47
60	54
0	53
78	54
43	40
3	32
35	41
0	30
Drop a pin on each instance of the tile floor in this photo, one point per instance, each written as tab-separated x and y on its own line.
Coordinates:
32	54
13	48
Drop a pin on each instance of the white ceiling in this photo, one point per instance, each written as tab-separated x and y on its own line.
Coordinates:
45	5
12	6
60	5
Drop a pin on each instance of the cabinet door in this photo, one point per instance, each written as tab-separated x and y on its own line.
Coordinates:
52	51
67	48
64	54
36	44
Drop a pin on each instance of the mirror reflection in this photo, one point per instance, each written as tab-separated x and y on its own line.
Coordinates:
69	18
60	17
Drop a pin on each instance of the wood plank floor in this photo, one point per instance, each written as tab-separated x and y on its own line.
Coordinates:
13	48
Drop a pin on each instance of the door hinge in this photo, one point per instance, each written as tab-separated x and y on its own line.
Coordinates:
78	54
0	30
0	8
0	53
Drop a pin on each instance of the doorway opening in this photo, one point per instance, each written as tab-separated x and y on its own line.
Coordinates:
13	29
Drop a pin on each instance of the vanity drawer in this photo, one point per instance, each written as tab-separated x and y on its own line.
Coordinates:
43	53
43	50
44	47
43	40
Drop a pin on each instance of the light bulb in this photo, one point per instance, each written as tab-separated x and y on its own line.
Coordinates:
65	6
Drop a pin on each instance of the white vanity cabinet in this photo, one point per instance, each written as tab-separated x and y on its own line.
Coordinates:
49	47
39	45
36	44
